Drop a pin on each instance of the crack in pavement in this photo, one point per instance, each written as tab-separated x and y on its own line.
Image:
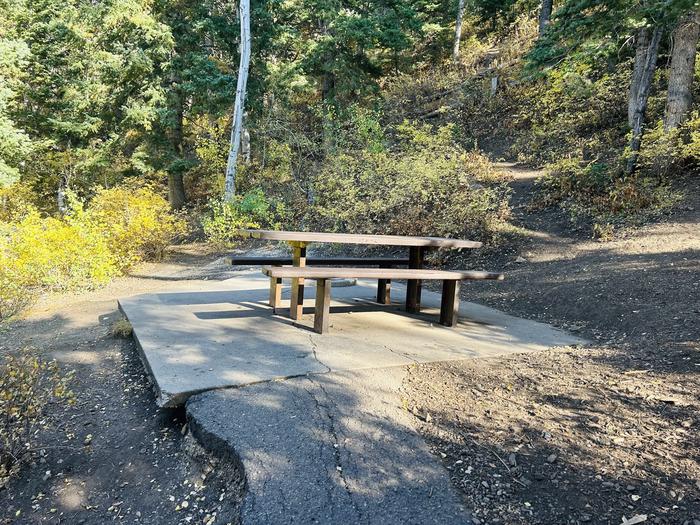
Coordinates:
314	347
328	412
402	354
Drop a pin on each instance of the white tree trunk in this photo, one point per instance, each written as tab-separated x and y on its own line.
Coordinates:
239	106
641	44
245	144
458	31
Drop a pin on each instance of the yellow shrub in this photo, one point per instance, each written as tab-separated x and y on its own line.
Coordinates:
15	291
15	201
56	254
120	227
136	222
28	385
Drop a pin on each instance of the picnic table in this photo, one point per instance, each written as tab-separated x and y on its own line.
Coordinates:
417	247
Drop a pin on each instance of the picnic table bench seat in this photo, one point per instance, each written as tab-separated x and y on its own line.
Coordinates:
383	285
451	279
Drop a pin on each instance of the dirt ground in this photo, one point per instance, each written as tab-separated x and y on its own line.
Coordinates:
114	456
579	435
597	434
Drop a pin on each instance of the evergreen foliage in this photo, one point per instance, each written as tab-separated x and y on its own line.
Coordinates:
93	93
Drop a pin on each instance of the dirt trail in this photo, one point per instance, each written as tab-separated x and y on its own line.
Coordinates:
581	435
584	435
114	456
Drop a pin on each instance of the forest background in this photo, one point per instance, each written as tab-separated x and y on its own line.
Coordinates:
379	116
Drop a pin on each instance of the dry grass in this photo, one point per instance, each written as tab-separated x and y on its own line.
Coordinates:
122	329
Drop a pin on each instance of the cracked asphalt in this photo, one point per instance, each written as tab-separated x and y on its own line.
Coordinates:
330	448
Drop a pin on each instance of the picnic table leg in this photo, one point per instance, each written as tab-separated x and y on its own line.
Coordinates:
449	307
384	288
275	293
413	288
384	291
296	307
323	305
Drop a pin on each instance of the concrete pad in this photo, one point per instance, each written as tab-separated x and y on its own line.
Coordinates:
222	334
327	448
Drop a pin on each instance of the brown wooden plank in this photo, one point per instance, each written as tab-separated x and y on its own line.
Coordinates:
316	272
296	305
386	262
351	238
449	306
322	312
275	293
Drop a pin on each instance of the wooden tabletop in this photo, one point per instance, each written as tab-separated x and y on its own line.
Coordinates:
351	238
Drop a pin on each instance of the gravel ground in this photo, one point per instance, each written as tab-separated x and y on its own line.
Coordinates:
114	456
601	434
605	434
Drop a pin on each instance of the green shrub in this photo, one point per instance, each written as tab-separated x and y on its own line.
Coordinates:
426	186
252	210
599	191
122	329
27	385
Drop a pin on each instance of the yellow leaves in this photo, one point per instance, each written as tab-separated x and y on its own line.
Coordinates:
136	222
120	227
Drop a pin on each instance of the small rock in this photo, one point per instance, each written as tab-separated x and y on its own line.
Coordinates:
87	440
520	260
551	458
46	475
511	459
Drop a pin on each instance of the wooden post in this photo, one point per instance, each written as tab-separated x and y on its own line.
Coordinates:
323	305
449	307
275	293
296	307
384	291
384	288
413	289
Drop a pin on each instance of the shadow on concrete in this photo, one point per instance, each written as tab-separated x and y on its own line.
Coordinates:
207	338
